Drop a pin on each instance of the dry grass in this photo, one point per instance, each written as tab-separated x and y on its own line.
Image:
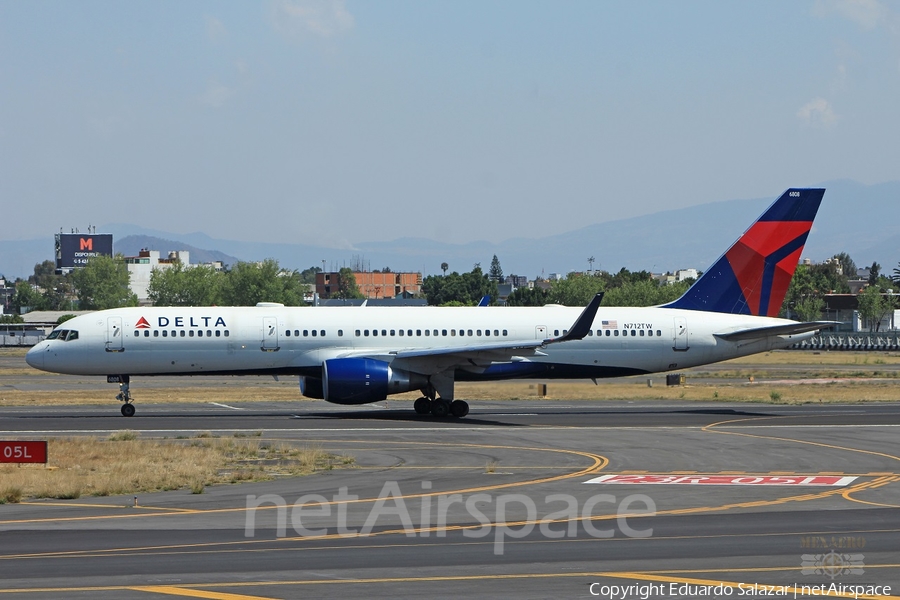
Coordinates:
124	464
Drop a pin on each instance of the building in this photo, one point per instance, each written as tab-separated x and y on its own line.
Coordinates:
373	284
140	268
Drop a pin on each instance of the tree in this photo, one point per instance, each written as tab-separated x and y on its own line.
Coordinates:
103	283
576	289
496	272
26	298
56	290
309	275
185	285
872	307
847	264
536	296
347	288
444	267
454	289
874	272
812	282
247	284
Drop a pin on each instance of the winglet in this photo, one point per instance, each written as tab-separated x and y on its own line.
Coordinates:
485	300
582	324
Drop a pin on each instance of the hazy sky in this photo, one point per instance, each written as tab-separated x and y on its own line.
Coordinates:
337	122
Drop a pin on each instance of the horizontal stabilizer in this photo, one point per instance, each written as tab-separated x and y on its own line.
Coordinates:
764	332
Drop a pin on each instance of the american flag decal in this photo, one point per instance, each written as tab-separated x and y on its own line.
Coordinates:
610	324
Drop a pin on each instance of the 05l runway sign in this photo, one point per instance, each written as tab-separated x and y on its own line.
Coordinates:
818	480
23	452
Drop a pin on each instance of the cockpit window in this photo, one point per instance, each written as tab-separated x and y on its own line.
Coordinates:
66	335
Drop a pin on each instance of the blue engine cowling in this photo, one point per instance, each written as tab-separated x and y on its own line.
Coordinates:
359	381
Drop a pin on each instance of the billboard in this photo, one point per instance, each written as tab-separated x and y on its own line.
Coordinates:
75	249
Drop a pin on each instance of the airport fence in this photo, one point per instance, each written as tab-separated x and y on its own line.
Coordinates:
851	341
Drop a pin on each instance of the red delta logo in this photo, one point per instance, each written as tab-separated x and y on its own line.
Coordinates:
142	324
86	244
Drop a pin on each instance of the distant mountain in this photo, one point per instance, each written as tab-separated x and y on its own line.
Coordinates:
862	220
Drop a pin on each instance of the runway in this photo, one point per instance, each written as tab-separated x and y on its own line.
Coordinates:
496	504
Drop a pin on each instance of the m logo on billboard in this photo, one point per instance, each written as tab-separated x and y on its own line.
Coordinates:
86	244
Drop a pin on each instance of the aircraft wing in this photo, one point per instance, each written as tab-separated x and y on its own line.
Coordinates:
764	332
430	360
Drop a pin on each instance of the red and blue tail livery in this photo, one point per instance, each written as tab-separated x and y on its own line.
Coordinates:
752	277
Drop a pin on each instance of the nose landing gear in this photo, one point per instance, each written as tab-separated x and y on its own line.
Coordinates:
124	394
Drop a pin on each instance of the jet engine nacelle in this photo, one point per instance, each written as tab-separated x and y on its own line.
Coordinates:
359	381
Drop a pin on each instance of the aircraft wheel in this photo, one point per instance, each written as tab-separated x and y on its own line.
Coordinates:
440	408
422	406
459	408
128	410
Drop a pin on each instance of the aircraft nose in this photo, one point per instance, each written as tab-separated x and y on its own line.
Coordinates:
35	356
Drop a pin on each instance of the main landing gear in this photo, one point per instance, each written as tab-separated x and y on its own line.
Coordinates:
124	395
441	408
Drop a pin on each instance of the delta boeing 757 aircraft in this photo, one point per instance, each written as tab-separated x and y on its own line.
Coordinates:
356	355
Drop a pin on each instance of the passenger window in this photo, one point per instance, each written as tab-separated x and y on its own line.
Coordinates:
182	333
306	333
633	333
208	333
487	332
436	332
366	333
314	333
590	333
616	333
478	332
296	333
419	332
357	333
165	333
384	332
226	333
650	332
191	333
218	333
322	333
452	332
642	333
374	332
147	333
341	333
469	332
658	333
400	332
443	332
556	333
409	332
137	333
287	333
504	333
199	333
393	332
155	333
607	333
427	332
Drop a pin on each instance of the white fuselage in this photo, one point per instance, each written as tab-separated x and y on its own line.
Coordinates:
291	340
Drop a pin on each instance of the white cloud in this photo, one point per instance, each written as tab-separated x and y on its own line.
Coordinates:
216	94
215	29
868	13
323	18
817	113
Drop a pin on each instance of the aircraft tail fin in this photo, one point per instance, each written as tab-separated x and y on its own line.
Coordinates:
752	277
